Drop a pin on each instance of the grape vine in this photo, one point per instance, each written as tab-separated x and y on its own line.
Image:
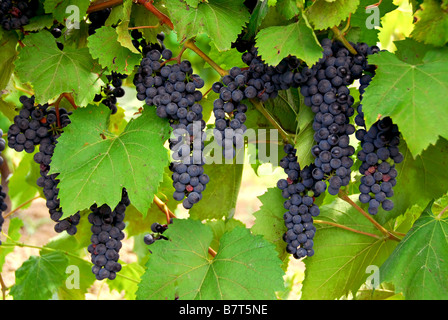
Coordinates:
354	150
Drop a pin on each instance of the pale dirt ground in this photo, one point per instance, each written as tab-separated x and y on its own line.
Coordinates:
39	228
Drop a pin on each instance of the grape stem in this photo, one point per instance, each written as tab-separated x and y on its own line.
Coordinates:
190	44
103	4
439	216
56	108
144	27
347	26
347	228
24	245
169	214
374	5
259	106
163	18
383	230
338	35
4	288
20	206
70	99
164	208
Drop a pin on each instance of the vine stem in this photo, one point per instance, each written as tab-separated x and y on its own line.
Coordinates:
259	106
169	214
374	5
56	108
339	36
347	228
103	4
347	26
383	230
70	99
4	289
164	208
190	44
23	90
145	27
163	18
24	245
439	216
20	206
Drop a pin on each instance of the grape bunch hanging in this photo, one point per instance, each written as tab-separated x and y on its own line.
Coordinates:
40	126
174	90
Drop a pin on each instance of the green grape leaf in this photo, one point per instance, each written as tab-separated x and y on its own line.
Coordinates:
262	136
323	14
52	71
297	39
63	9
88	158
124	36
220	227
432	23
21	189
285	108
182	268
39	22
104	46
140	17
222	20
404	91
258	14
269	220
288	8
411	51
365	23
192	3
122	284
15	224
418	267
8	54
223	193
305	136
225	59
342	257
45	272
78	274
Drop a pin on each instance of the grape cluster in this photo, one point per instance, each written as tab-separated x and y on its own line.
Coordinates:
229	111
111	91
300	190
174	90
30	126
37	125
98	19
3	205
326	92
379	155
14	14
157	230
379	146
107	234
49	182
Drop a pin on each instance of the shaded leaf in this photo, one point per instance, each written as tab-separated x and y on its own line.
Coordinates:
405	91
182	268
40	276
418	267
